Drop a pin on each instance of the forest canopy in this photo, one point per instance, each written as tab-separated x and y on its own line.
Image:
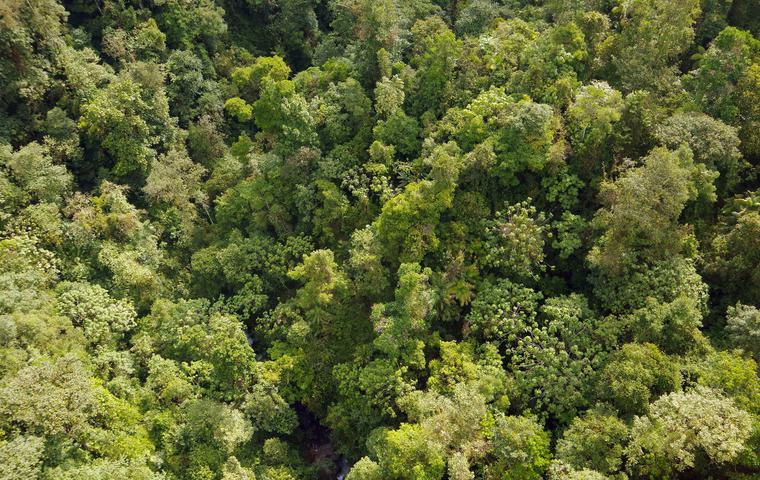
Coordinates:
379	239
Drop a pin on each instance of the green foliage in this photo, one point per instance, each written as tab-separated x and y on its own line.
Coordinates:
554	360
713	143
29	175
652	36
684	427
188	22
406	454
103	319
175	183
635	375
108	469
591	121
365	469
519	131
434	54
520	449
552	64
283	114
514	242
595	442
426	239
208	433
21	458
27	270
734	375
238	109
562	471
123	124
250	80
406	224
642	207
502	311
733	254
664	282
743	328
185	82
713	81
50	398
401	322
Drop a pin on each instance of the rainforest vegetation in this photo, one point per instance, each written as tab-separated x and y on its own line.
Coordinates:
379	239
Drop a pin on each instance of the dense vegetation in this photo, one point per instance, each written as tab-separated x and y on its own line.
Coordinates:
413	239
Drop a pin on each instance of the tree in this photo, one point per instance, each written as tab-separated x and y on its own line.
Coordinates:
205	143
520	449
725	80
121	125
250	80
713	81
103	468
434	55
322	280
118	241
322	300
652	36
187	332
663	282
743	327
521	133
365	263
175	181
169	384
368	390
103	319
401	323
32	36
636	375
30	175
733	374
748	88
552	65
476	16
405	453
406	224
714	19
50	398
371	26
594	441
185	83
554	360
591	121
268	411
502	311
733	260
27	270
452	423
365	469
21	458
643	206
400	131
188	22
461	367
562	471
505	45
345	115
514	242
687	430
713	143
206	436
238	109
